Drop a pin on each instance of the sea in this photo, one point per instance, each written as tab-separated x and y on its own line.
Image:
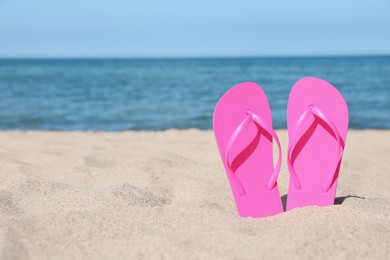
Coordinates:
158	94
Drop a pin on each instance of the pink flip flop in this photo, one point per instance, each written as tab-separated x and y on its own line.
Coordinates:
243	130
317	121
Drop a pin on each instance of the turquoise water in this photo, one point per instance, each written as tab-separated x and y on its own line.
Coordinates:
156	94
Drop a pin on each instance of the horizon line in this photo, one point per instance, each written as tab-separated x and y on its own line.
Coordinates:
192	57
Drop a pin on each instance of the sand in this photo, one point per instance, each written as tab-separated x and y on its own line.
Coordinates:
163	195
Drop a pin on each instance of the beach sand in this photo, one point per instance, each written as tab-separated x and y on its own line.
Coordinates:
153	195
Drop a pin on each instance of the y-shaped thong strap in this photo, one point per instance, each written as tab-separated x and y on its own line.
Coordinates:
312	110
251	117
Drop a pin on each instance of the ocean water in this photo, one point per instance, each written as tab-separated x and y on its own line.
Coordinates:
157	94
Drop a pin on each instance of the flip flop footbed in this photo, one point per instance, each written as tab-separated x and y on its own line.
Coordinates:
250	157
315	156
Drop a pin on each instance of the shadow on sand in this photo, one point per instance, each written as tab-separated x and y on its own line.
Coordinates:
337	201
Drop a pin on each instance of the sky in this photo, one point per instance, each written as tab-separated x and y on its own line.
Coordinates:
202	28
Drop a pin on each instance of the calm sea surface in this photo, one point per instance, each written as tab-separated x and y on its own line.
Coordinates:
156	94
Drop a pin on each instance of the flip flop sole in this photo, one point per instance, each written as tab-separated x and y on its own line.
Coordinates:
315	157
251	155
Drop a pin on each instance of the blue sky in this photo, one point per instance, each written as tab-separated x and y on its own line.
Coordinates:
177	28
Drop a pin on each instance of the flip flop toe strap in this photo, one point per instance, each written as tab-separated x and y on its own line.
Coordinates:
251	117
309	112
